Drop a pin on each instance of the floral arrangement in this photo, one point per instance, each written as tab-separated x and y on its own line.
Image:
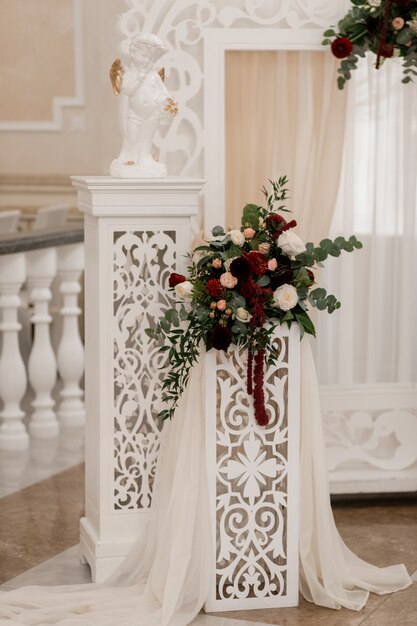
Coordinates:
241	285
388	28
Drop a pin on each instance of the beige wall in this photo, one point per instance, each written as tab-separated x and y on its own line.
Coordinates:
38	42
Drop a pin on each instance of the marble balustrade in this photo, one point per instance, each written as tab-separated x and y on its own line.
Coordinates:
42	353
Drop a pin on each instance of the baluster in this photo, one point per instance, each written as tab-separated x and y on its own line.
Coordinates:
42	363
13	380
71	409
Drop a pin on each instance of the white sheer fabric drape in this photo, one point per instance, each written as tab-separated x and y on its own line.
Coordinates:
284	115
373	338
166	578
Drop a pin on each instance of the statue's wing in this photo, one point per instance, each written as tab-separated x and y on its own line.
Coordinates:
162	74
116	73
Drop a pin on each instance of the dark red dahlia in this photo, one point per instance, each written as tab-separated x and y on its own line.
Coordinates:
240	268
247	290
176	279
283	276
258	263
214	287
274	221
341	47
221	337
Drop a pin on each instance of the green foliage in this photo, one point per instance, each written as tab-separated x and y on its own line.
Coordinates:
327	247
370	29
250	217
185	327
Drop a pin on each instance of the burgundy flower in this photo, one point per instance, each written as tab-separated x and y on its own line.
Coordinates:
240	268
249	381
176	279
374	25
386	50
247	289
214	287
274	221
261	415
258	263
282	276
221	337
403	3
284	228
341	47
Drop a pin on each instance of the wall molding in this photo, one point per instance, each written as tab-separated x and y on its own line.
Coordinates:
370	433
28	193
60	103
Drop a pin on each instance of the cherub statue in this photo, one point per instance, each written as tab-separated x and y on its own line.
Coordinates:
145	104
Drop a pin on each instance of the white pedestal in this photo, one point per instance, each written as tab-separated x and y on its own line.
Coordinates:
136	233
253	475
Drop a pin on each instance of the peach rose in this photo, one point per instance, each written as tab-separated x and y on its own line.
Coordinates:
228	280
272	265
217	263
397	23
221	305
249	233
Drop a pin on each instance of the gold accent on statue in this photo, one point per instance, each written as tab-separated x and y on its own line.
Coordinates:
171	106
116	73
162	74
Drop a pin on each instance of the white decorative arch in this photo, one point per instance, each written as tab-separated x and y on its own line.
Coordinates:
197	34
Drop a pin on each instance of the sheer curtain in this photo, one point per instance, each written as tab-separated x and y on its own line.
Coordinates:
284	115
374	333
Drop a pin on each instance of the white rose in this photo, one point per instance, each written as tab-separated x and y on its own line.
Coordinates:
242	314
374	3
237	236
198	255
290	243
285	297
183	290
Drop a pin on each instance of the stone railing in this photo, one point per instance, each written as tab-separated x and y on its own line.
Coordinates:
41	366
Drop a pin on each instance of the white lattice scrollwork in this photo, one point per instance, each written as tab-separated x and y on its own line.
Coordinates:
248	470
181	24
142	264
383	440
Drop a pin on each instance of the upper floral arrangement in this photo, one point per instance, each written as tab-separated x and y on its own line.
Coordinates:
241	285
387	28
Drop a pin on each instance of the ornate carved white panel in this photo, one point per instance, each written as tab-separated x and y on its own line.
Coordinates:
143	261
183	25
136	233
371	434
253	474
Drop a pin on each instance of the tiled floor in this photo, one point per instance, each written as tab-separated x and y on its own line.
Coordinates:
42	520
43	458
